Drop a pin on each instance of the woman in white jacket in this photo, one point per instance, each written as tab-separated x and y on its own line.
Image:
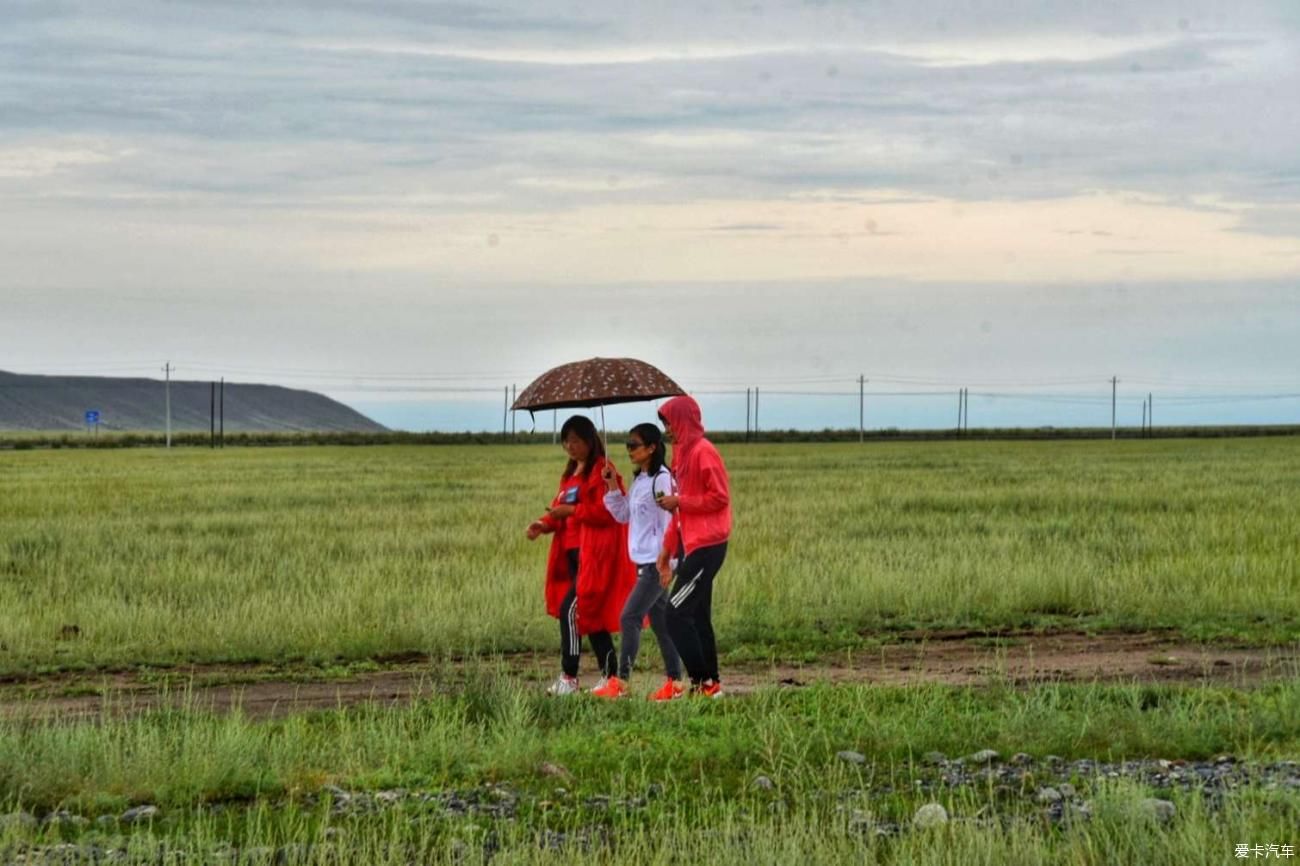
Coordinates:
647	524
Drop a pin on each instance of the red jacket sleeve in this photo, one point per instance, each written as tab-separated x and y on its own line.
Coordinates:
672	538
556	524
715	495
591	510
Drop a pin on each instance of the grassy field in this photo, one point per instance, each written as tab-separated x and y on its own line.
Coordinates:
492	727
136	557
497	771
114	558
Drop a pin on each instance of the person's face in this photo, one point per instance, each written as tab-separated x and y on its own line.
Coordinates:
576	447
638	450
668	430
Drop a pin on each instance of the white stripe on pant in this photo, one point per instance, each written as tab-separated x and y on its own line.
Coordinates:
686	590
575	642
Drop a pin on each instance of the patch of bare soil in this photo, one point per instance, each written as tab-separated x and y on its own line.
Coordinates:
953	658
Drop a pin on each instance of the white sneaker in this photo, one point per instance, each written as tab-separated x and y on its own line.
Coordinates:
600	684
563	685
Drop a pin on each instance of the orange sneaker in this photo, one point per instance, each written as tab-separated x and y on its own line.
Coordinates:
670	691
612	687
708	689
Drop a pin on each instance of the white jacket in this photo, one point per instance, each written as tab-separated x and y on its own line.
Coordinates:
648	522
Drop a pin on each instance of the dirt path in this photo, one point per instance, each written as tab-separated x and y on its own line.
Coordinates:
262	691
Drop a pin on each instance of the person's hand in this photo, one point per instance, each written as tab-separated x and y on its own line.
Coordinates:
665	569
559	512
668	502
610	477
534	529
665	577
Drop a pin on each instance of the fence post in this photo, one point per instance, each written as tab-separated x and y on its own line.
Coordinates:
746	414
862	398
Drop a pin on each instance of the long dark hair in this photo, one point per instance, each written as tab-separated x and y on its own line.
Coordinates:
654	437
586	431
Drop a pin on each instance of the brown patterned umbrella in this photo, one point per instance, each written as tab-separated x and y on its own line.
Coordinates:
596	382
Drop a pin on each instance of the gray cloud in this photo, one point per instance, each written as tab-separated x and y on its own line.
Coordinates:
349	90
1276	221
229	121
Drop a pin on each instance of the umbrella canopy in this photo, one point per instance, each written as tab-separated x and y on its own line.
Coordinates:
596	382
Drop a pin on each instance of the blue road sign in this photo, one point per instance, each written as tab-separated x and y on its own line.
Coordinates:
92	416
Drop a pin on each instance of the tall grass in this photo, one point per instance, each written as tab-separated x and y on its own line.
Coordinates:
700	756
112	558
496	728
730	834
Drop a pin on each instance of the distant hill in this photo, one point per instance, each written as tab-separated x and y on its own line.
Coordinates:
61	403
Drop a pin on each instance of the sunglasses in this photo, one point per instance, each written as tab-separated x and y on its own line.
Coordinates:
632	446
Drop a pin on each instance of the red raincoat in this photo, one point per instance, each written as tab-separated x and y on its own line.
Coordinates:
605	573
703	516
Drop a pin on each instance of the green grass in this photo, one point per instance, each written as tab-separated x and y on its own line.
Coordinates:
701	757
320	559
495	728
728	833
344	553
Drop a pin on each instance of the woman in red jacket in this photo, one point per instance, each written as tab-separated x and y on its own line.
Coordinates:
588	573
700	529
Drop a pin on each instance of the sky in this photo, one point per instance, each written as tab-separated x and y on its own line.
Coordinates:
411	206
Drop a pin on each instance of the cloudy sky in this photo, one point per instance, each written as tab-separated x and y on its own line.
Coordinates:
388	200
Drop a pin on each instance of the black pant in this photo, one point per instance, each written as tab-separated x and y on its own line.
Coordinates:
690	611
570	641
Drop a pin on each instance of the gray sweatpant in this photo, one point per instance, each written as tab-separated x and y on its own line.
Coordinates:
647	597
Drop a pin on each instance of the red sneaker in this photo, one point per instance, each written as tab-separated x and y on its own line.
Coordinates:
670	691
613	687
708	689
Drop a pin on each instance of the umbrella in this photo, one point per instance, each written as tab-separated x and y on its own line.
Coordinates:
596	382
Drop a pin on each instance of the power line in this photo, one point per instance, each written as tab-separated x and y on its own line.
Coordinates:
411	389
356	375
1220	383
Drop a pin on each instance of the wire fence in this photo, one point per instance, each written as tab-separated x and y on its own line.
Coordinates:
464	400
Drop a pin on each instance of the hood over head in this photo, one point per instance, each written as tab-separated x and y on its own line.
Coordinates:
683	415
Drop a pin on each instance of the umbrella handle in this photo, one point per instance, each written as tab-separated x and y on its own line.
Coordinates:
604	436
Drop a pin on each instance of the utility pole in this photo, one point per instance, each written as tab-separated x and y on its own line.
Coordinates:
1144	418
755	412
512	417
1114	383
505	412
960	397
747	397
212	415
862	413
965	410
168	370
222	417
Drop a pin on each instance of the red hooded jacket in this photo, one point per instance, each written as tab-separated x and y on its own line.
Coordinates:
703	516
605	573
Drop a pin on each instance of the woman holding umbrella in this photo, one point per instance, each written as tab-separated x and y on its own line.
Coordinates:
588	574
